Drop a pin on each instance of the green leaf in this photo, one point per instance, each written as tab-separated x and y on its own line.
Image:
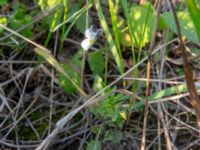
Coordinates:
73	9
80	22
186	25
3	21
73	17
46	3
110	107
164	93
3	2
161	23
169	91
19	19
195	51
19	14
96	62
195	15
17	23
142	29
65	83
77	58
114	114
93	145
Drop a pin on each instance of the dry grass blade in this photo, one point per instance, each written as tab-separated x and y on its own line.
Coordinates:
195	101
4	103
48	56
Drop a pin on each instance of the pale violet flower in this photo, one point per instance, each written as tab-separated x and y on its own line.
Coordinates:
90	38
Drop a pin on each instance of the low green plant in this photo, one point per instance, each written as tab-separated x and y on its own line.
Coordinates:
64	82
3	2
96	62
15	21
112	110
194	10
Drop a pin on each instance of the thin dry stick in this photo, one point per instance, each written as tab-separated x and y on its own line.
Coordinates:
52	85
165	81
195	101
148	75
19	62
191	144
159	108
5	142
4	102
17	108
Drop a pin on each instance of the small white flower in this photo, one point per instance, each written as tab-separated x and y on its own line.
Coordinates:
91	37
86	44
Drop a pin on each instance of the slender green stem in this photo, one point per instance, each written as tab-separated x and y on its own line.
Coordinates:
65	11
109	38
83	68
144	30
53	24
106	66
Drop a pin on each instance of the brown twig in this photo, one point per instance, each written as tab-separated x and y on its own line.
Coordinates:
162	117
148	75
195	101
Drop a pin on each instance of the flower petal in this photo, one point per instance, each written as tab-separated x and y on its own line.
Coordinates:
88	34
86	44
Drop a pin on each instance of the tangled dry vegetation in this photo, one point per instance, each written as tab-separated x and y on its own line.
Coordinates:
36	112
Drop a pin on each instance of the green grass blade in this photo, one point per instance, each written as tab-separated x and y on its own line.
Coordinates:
195	15
53	24
143	32
113	13
71	25
65	15
130	27
109	38
164	93
78	13
65	11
